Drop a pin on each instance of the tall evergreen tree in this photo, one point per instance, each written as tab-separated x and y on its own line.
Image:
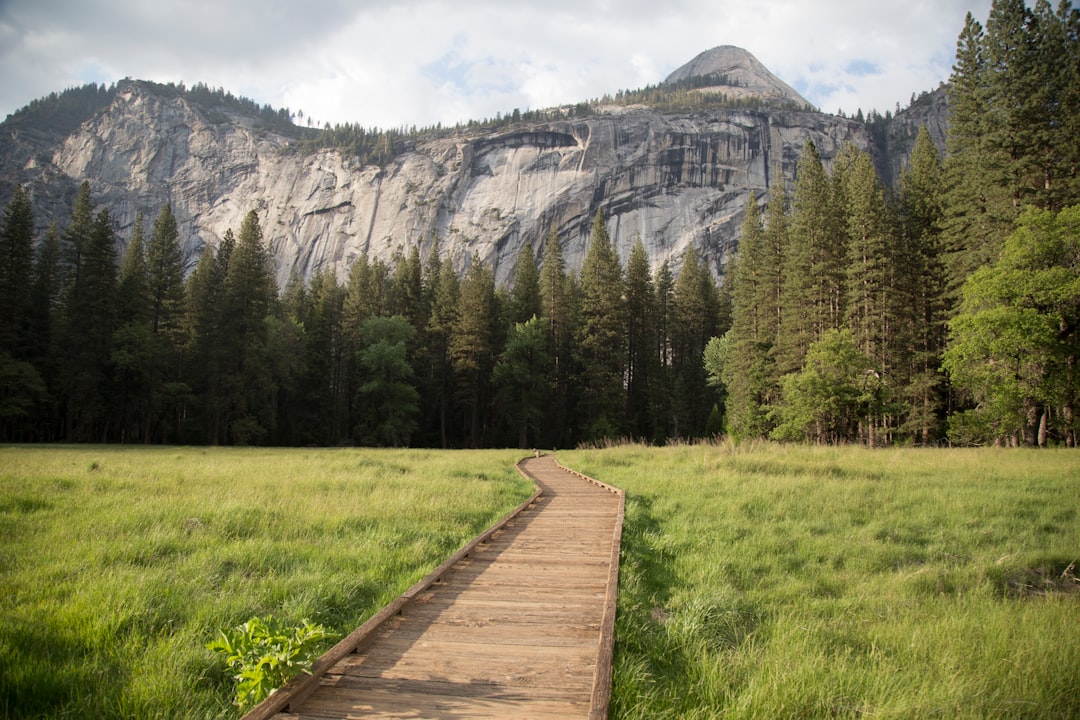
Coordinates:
696	315
133	291
75	240
922	286
22	389
753	327
641	360
440	331
978	211
601	337
556	313
90	322
249	298
16	263
209	341
521	380
43	330
133	342
871	292
165	278
321	405
387	389
472	351
525	291
408	299
813	267
663	412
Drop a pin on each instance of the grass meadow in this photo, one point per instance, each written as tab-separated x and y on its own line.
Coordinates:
764	581
758	581
118	565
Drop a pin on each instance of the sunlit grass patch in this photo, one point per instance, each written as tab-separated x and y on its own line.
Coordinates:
779	581
120	564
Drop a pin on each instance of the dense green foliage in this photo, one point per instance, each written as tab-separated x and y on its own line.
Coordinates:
100	349
119	565
952	247
779	581
396	356
264	654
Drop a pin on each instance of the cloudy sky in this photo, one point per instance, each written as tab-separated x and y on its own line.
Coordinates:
390	63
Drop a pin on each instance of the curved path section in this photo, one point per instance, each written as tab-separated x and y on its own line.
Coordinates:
518	624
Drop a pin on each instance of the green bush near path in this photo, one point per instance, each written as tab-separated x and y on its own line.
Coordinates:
118	565
766	581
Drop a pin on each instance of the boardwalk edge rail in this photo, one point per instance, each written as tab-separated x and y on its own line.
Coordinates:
300	687
601	692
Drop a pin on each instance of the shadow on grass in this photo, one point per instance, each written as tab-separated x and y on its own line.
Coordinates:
44	673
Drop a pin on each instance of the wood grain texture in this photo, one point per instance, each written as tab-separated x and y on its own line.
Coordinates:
519	624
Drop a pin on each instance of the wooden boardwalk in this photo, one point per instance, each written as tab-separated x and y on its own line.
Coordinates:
518	624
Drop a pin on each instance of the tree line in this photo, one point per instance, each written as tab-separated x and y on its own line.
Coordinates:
948	309
944	310
97	348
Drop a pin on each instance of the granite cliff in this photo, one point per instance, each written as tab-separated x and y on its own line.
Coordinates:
677	179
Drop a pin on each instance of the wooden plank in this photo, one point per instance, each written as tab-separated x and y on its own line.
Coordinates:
519	623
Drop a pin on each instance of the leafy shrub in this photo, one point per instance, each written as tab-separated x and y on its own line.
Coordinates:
264	655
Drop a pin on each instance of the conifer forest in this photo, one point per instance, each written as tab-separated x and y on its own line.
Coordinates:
943	310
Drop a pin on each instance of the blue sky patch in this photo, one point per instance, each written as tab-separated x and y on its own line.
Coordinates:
862	68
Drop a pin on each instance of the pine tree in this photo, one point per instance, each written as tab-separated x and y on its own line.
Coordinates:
872	310
1010	107
249	299
407	298
922	286
525	291
520	377
165	275
471	348
777	244
89	325
663	412
978	210
133	342
556	313
209	342
641	360
76	239
696	316
22	389
601	337
387	389
440	331
43	330
320	404
752	327
133	292
813	265
16	263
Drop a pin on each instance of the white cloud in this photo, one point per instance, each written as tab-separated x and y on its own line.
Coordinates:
426	61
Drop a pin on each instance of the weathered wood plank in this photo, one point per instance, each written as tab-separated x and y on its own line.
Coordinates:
520	623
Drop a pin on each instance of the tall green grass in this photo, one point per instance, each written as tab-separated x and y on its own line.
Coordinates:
118	565
770	581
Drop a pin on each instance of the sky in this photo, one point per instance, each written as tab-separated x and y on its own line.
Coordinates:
395	63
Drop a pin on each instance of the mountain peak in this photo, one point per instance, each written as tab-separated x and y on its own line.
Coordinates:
738	73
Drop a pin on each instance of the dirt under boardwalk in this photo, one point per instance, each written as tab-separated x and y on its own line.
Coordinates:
513	631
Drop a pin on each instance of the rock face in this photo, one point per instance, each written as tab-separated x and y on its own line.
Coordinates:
746	76
930	110
677	181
